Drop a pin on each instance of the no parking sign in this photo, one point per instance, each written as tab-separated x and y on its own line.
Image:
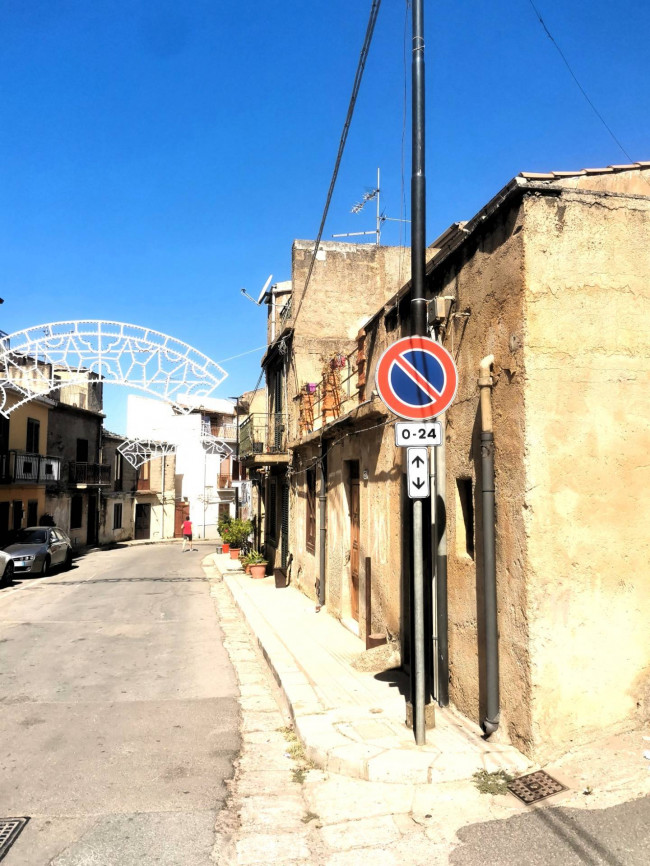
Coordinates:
416	378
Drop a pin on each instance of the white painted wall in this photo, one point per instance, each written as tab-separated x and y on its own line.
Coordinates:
196	471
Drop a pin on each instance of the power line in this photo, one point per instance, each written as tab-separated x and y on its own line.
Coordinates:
580	87
241	355
374	10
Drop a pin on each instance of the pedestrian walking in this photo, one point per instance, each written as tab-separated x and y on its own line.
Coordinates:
187	533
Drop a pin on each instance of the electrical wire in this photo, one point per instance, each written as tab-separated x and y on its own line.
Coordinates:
580	87
241	355
374	10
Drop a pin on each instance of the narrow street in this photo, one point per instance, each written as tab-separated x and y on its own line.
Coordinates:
119	714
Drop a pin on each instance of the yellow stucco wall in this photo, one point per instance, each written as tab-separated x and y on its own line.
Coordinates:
587	348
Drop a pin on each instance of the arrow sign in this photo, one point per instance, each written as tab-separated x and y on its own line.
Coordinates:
417	472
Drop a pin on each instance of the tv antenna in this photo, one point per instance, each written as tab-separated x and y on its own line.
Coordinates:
262	293
381	218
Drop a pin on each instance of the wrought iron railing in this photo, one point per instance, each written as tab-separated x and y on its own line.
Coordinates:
336	393
89	473
263	434
285	313
25	467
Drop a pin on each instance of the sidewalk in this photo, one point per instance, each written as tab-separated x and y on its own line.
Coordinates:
349	721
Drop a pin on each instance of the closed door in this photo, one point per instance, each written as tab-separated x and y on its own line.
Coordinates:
354	548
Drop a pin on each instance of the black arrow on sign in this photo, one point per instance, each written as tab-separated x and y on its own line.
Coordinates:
418	484
417	460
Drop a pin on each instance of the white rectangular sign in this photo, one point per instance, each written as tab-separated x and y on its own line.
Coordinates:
417	472
418	433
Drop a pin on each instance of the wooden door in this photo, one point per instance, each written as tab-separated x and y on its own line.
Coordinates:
354	548
181	513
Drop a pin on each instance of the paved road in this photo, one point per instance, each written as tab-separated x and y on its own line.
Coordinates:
118	711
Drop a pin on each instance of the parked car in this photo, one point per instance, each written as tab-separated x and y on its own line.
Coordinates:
38	548
6	568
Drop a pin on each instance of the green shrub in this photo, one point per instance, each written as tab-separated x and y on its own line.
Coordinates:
236	532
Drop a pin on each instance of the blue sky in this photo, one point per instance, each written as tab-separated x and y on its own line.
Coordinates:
156	157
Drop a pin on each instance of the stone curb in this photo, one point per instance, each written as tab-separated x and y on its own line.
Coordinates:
331	750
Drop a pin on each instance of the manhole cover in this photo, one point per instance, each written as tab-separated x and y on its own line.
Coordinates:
535	786
10	829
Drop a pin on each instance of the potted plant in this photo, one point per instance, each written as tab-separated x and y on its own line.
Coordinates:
245	561
257	564
236	534
222	525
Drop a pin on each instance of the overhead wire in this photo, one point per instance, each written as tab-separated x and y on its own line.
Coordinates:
580	87
374	10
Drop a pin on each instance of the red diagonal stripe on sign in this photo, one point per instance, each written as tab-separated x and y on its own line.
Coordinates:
417	377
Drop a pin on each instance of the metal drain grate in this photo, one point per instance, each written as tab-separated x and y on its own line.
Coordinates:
10	829
535	787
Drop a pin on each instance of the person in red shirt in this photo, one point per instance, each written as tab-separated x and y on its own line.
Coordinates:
187	533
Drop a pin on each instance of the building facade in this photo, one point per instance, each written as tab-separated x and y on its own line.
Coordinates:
544	296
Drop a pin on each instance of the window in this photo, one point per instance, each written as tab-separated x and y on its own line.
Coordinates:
117	515
76	512
273	512
118	468
464	518
311	509
82	451
32	512
33	435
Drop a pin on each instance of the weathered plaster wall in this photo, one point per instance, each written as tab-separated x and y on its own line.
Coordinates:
486	278
587	350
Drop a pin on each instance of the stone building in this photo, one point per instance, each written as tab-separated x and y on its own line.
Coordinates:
550	281
117	508
310	322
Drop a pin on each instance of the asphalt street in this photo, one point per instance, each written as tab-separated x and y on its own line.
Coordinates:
119	712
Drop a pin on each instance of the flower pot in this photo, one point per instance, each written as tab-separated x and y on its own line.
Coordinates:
225	547
258	569
234	552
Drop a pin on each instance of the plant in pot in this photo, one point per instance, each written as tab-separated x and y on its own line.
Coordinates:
257	564
222	525
245	561
237	533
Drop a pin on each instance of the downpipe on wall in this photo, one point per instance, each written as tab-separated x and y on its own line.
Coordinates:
485	382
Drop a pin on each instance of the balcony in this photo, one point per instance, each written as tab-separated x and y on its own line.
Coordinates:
20	466
263	439
341	389
95	474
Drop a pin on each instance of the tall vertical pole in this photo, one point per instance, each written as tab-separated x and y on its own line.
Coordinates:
418	328
378	214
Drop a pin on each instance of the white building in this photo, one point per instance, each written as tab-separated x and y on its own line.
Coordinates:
207	483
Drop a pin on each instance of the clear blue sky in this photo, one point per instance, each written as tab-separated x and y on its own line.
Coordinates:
155	157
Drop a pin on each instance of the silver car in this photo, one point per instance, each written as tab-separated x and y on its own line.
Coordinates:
37	549
6	569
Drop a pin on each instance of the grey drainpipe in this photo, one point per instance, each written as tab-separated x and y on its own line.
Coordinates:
322	499
485	382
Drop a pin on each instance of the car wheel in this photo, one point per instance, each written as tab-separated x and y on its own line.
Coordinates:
46	566
8	574
68	561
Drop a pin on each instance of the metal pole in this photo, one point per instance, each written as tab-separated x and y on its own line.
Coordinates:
322	515
378	219
162	517
442	626
418	328
418	606
418	179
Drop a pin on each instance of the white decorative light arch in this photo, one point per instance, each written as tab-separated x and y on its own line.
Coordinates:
41	359
137	452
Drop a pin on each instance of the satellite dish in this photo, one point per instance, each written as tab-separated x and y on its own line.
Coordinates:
262	293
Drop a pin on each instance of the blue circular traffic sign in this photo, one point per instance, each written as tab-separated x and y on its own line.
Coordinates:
416	378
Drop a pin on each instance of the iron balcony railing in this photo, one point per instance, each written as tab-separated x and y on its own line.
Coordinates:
285	313
89	473
263	434
25	467
339	391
